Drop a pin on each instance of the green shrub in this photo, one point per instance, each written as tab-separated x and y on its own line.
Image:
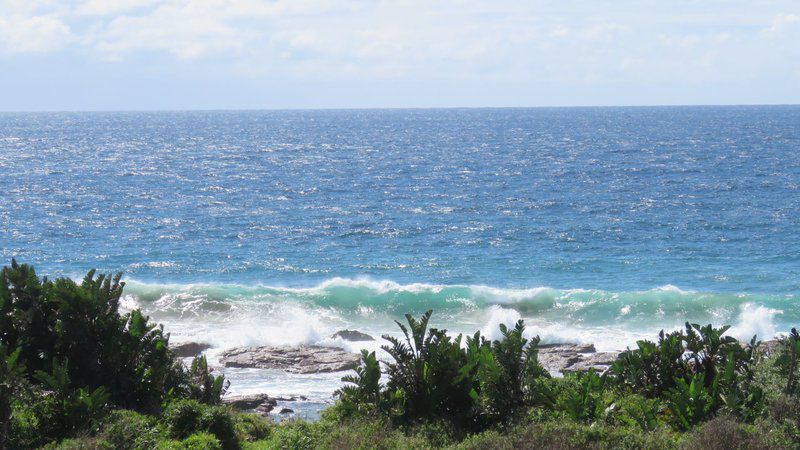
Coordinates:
431	377
81	443
203	386
363	395
508	381
183	417
251	427
584	401
218	420
27	429
689	403
788	362
724	433
425	378
11	378
636	411
651	369
368	435
129	430
186	417
197	441
73	409
568	435
295	435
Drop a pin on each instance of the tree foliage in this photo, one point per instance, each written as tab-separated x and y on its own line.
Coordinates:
71	342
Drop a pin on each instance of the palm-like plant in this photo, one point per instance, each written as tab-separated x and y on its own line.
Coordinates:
363	391
788	361
426	377
516	359
205	387
708	349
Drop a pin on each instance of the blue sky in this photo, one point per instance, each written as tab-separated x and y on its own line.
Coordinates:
250	54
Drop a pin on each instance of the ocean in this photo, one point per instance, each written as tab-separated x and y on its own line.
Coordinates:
596	225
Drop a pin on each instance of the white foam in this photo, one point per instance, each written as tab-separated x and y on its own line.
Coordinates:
755	320
507	296
671	288
498	315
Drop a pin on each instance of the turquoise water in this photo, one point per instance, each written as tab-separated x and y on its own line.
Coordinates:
594	224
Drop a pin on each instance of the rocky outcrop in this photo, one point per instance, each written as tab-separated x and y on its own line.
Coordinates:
298	359
260	403
189	349
352	336
769	348
574	358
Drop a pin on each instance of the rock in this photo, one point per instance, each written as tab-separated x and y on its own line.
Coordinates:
261	403
768	348
597	361
292	398
189	349
298	359
352	335
286	411
574	357
577	348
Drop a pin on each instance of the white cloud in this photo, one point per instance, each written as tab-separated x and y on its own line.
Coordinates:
19	34
184	31
783	22
111	7
581	43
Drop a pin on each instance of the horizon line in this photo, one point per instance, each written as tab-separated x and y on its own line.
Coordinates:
391	108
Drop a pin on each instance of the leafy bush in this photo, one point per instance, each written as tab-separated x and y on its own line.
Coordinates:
186	417
129	430
294	435
203	386
364	393
651	369
73	408
708	349
251	427
425	378
11	375
61	322
724	433
584	401
69	340
788	362
636	411
197	441
508	378
689	403
432	377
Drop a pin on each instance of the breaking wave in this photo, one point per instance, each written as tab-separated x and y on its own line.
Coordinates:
257	314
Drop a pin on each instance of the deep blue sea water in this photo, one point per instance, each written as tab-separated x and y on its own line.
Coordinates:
595	224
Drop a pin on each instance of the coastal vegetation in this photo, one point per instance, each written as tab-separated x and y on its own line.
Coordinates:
75	373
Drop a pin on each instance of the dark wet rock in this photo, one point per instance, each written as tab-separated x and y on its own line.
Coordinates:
574	357
352	336
298	359
286	411
261	403
292	398
189	349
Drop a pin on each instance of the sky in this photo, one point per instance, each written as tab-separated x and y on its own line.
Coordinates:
253	54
